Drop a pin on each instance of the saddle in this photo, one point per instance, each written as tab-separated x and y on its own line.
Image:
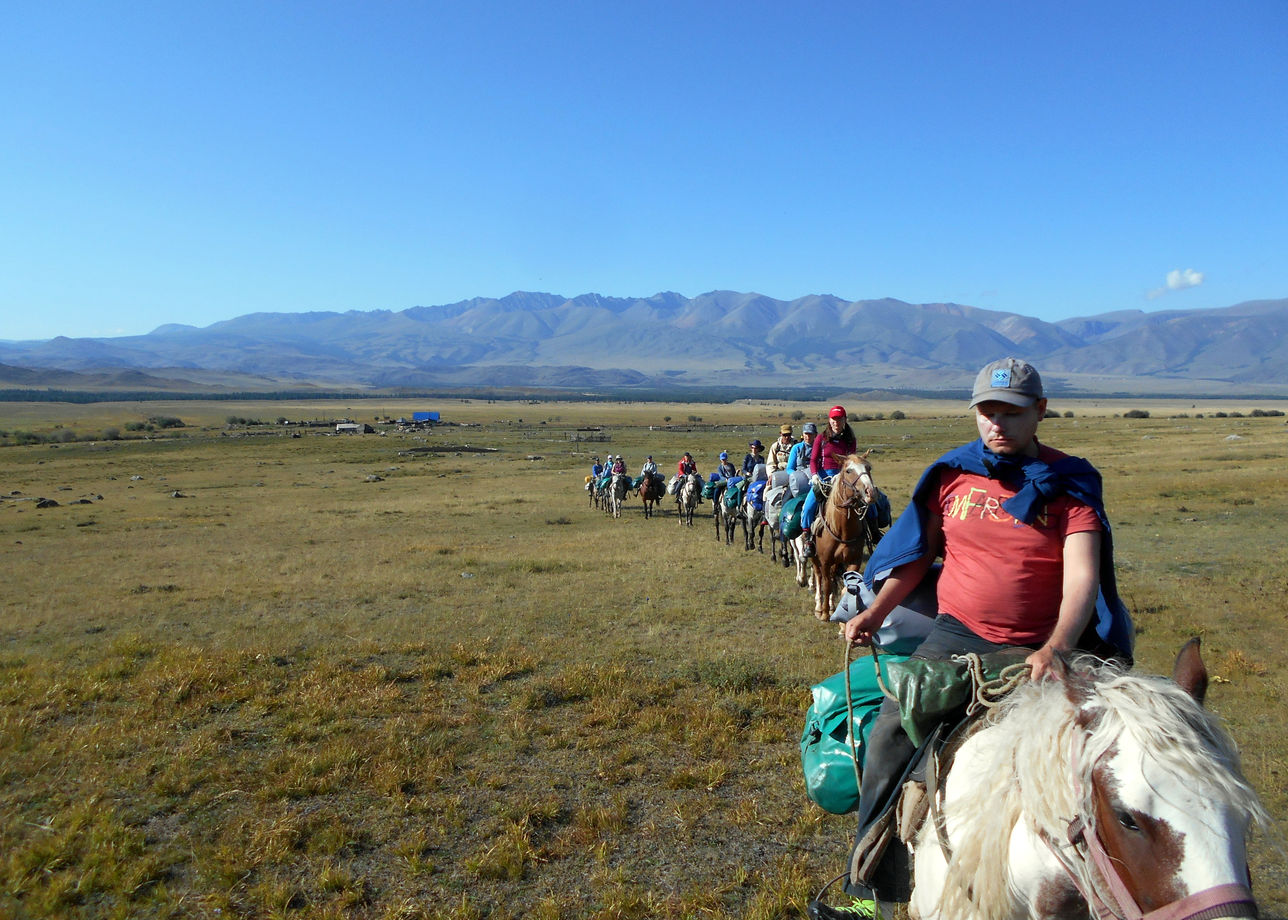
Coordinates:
774	500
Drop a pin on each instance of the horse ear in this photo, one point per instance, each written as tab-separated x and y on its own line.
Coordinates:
1190	673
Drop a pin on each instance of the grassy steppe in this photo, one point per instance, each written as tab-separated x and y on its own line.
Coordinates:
326	679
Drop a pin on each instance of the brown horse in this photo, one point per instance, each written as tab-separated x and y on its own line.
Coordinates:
652	488
847	534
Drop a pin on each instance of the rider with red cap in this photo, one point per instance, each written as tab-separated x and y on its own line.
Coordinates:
828	453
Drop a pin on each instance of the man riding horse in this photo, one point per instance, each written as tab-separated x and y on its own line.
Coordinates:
1027	563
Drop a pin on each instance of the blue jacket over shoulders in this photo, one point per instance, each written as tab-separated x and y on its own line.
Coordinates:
1038	483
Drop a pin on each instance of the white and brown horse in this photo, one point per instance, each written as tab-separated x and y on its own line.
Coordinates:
847	533
618	488
1102	794
687	498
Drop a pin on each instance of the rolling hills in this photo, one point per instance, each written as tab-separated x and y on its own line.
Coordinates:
718	339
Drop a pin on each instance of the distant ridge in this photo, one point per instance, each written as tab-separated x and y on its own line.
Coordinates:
668	341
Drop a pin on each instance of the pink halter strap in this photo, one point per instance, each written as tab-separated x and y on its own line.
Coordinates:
1118	903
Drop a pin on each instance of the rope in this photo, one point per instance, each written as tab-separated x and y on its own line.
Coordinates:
987	694
849	706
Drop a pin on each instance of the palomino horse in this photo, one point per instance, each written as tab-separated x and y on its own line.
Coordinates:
617	492
652	488
1104	794
848	535
686	499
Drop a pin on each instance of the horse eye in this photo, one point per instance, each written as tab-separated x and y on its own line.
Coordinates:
1127	821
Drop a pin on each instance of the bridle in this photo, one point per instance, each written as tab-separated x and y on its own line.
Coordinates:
1113	900
855	503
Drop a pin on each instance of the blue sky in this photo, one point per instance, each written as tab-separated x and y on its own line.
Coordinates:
191	162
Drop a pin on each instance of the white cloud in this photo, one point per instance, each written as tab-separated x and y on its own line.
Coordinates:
1178	280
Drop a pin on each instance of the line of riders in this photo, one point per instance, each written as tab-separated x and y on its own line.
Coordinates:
1026	591
779	490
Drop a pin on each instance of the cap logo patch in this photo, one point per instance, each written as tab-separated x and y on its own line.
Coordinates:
1001	378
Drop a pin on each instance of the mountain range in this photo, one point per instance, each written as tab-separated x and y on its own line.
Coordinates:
718	339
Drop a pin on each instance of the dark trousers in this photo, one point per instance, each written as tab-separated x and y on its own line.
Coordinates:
886	759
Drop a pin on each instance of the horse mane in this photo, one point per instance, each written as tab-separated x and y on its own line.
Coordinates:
1028	775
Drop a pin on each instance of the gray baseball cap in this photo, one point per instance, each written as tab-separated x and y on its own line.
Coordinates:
1009	380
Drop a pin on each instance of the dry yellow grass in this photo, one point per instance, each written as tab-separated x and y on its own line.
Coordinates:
454	690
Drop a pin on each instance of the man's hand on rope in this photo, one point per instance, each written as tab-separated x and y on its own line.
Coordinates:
1047	662
859	630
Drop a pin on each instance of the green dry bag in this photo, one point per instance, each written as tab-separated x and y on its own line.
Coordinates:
789	522
825	744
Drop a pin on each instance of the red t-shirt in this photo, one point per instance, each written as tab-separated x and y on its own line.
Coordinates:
1001	578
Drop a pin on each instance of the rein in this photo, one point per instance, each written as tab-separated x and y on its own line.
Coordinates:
1114	900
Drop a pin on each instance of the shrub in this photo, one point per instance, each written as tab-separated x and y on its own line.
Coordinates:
797	415
111	434
166	421
898	415
1136	413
